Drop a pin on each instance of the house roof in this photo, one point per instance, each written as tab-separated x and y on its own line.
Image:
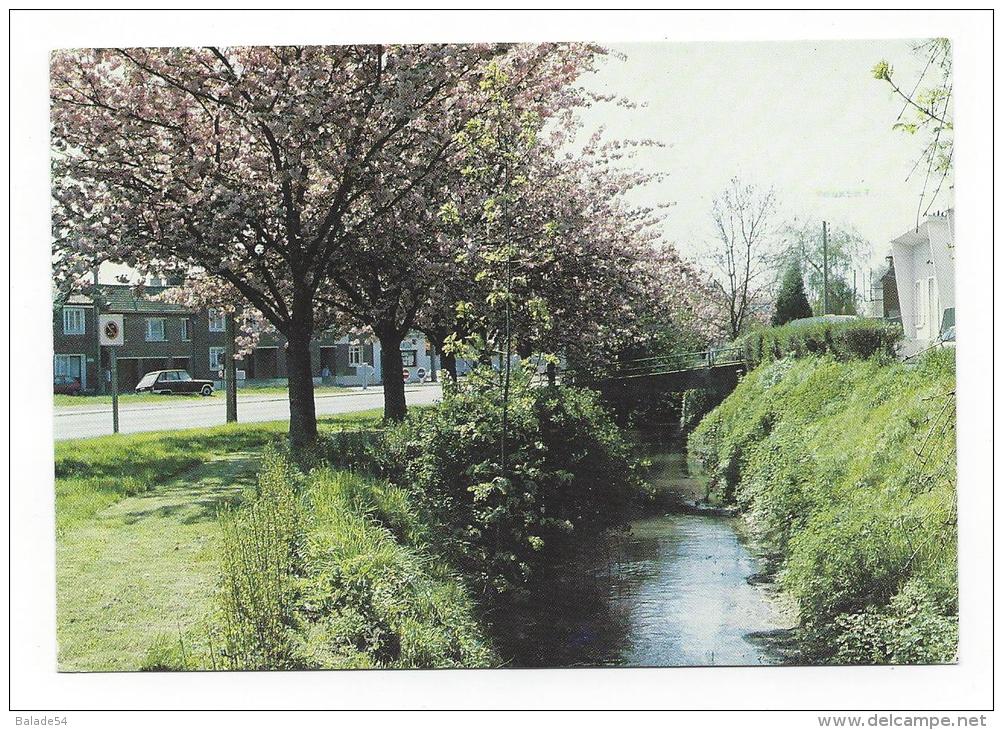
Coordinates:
124	299
883	271
913	238
922	234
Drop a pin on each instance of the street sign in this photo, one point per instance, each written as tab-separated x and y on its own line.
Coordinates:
421	373
111	329
407	373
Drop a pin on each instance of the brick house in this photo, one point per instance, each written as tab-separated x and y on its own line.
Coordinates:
884	292
160	336
157	336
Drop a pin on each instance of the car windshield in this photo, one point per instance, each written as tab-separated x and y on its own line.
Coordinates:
183	375
148	380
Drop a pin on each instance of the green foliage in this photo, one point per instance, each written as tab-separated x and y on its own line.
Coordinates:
329	570
843	339
913	629
792	302
846	472
697	403
567	468
842	298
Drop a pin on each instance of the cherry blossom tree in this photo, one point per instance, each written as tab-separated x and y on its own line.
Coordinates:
299	177
555	259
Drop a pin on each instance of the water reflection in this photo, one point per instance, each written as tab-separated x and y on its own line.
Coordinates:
671	591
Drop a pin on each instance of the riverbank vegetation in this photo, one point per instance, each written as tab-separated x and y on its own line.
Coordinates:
327	570
846	472
393	546
500	486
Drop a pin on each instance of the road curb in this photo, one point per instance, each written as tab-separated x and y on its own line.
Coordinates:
205	403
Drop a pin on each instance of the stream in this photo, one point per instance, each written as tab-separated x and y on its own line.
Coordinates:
670	591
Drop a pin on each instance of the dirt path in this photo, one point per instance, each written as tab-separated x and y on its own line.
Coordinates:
142	568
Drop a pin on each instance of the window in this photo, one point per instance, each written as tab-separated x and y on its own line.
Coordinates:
183	376
217	321
169	377
410	358
156	330
147	380
355	355
73	321
217	355
68	366
186	333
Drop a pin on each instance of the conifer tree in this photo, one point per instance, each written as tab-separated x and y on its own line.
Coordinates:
792	302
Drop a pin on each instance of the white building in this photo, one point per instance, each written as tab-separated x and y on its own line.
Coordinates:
924	277
353	360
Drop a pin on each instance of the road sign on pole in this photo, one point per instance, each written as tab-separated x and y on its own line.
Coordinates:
112	331
406	373
112	335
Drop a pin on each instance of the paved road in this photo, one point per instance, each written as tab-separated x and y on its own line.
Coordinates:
178	412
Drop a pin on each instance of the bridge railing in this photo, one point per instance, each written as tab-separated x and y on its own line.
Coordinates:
676	362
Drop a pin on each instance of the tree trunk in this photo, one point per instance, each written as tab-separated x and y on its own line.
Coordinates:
302	410
448	360
394	404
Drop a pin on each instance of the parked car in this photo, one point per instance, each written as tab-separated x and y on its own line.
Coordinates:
66	385
166	382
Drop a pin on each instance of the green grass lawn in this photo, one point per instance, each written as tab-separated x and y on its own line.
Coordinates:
135	519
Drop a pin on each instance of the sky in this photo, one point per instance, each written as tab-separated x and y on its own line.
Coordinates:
807	118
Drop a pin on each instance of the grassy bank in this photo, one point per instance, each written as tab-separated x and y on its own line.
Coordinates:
382	547
846	472
328	570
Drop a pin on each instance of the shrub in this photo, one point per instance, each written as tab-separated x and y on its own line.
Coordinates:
844	339
327	570
567	468
846	471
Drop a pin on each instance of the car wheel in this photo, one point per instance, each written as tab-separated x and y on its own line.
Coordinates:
206	390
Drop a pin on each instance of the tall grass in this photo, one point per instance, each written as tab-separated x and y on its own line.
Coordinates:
329	570
259	547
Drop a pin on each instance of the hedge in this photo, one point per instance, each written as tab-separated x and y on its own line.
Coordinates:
843	339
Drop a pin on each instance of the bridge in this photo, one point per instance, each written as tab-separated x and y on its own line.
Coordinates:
641	381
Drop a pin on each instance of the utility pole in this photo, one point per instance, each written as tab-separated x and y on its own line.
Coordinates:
825	269
230	369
